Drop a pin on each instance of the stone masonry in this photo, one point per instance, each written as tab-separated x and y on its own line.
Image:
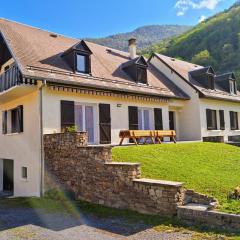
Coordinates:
88	172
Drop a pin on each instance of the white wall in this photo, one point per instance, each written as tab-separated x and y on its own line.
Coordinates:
24	148
188	118
119	115
219	105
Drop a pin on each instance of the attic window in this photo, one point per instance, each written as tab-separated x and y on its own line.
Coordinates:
78	58
136	69
211	84
233	87
82	63
142	75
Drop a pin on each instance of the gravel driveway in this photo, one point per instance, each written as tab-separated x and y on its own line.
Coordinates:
19	224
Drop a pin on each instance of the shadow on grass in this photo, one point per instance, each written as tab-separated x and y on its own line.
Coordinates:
63	213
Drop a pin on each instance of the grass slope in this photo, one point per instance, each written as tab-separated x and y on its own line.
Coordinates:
210	168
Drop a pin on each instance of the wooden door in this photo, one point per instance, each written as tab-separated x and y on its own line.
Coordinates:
105	123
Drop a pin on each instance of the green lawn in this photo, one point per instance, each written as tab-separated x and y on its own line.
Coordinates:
210	168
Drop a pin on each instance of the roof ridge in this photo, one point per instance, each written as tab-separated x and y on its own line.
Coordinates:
60	34
38	28
176	59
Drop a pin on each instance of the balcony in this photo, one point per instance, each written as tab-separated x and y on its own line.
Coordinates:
12	77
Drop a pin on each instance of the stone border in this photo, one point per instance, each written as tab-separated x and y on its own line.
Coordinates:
197	214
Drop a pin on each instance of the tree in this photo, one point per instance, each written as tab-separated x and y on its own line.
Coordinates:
204	58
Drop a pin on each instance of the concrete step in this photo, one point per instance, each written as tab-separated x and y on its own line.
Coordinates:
195	206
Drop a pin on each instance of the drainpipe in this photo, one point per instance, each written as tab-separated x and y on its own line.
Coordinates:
41	85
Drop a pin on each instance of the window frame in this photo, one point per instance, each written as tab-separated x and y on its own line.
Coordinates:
83	120
232	87
235	119
86	62
214	124
211	82
222	120
24	173
7	121
144	78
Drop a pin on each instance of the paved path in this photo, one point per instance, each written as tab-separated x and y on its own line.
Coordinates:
29	224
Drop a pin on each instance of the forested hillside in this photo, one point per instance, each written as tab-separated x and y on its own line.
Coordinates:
215	42
146	36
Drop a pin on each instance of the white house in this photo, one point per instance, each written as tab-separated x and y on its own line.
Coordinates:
212	113
49	82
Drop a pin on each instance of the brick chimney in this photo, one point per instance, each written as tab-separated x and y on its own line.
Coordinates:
132	44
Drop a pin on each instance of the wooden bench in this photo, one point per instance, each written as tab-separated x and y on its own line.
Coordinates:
153	135
160	134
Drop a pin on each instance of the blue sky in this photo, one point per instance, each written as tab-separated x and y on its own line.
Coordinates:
96	18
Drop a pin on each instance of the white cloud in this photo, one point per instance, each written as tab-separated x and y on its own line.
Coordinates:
180	13
202	18
184	5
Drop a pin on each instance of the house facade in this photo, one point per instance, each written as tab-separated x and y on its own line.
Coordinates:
213	111
50	83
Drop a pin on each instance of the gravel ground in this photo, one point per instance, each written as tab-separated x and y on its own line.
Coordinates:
31	224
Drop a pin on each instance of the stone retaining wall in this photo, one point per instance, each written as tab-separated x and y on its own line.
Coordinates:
89	173
212	219
190	196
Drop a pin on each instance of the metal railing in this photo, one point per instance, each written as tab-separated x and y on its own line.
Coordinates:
10	78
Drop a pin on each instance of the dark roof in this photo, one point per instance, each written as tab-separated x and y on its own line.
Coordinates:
201	71
226	76
138	60
38	54
183	69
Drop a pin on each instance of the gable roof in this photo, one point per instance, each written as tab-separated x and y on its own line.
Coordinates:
39	55
224	77
138	61
202	71
82	46
185	70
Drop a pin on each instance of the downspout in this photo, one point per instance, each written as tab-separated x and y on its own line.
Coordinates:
41	85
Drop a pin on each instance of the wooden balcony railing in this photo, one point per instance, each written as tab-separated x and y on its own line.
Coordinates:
10	78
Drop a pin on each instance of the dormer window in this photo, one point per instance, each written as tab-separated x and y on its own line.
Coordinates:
142	75
211	84
136	69
204	76
78	58
82	63
227	82
232	87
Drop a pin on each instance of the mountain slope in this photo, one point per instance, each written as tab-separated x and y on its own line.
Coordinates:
146	36
215	42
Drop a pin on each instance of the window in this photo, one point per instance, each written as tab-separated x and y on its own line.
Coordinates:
211	119
82	63
211	84
222	120
84	120
144	119
24	173
234	120
232	85
12	120
142	75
